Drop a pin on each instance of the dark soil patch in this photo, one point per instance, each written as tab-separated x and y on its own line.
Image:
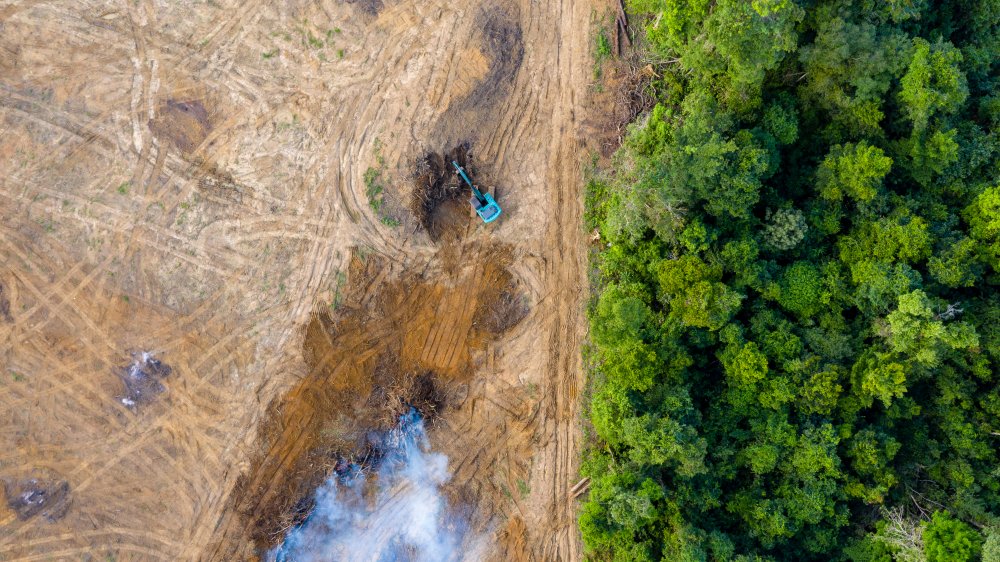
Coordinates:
503	43
440	197
4	305
142	379
507	310
370	7
48	497
184	123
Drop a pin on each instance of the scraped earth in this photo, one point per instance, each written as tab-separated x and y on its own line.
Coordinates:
205	305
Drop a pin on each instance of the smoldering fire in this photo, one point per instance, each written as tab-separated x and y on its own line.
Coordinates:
407	518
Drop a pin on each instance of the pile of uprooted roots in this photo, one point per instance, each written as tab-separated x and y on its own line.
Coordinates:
439	194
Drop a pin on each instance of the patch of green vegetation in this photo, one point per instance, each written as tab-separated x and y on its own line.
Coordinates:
602	48
16	377
375	183
268	54
373	188
286	125
314	41
184	206
46	224
124	187
532	390
338	290
330	33
523	488
340	53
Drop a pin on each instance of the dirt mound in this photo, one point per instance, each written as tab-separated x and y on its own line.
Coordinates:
440	197
47	496
185	123
509	307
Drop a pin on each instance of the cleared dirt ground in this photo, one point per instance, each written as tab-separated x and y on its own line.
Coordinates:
192	180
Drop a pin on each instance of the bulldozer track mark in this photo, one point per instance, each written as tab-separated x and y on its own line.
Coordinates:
92	347
81	553
58	120
107	532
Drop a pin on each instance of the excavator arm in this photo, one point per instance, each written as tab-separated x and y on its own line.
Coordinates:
483	203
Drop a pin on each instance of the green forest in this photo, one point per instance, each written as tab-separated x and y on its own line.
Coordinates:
795	325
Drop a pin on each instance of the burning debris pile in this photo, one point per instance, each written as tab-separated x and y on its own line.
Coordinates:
396	392
142	380
394	510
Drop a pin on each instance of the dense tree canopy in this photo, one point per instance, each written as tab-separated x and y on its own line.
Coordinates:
796	327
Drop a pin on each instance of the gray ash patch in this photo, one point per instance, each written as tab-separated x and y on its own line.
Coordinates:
370	7
48	497
142	379
4	305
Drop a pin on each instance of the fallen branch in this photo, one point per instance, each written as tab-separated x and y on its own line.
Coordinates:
622	16
580	487
622	38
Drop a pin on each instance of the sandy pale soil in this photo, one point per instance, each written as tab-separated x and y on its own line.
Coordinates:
199	303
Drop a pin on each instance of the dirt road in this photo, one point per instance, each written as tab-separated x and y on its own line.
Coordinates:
188	180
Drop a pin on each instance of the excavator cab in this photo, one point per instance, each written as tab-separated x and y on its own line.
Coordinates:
483	203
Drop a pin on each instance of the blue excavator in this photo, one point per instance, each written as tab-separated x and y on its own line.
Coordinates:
484	204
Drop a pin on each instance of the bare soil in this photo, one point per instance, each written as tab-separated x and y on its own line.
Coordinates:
184	183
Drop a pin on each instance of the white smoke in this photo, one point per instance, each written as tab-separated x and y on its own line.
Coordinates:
405	519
